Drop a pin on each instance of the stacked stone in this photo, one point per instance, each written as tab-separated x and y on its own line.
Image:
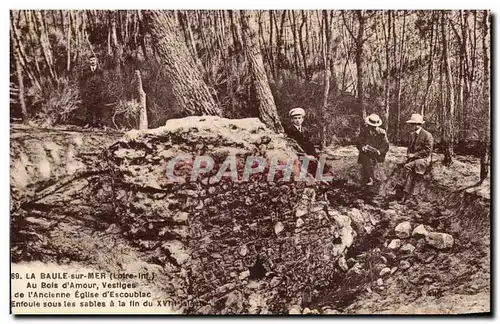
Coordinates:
224	233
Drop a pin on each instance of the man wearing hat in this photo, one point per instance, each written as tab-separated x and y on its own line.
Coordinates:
418	155
373	146
299	133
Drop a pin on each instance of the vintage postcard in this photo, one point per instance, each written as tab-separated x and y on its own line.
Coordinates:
279	162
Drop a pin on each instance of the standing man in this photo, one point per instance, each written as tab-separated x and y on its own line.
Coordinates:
373	146
418	155
92	85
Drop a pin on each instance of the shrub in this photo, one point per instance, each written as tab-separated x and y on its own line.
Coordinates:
57	103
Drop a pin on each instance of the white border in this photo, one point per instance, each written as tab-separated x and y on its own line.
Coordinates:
190	4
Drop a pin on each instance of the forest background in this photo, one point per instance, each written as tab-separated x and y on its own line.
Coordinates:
339	65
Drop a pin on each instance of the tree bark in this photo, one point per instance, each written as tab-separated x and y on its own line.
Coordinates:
302	48
44	44
142	32
430	67
485	158
20	81
387	79
400	75
359	59
68	43
234	31
191	93
18	46
450	100
280	56
188	35
143	115
327	72
295	46
267	108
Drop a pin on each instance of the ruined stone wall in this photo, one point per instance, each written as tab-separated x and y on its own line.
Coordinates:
219	237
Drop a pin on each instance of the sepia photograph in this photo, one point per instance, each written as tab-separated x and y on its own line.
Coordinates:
310	163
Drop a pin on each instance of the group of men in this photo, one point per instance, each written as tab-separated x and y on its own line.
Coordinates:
373	146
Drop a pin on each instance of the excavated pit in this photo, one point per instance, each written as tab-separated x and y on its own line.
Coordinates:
247	247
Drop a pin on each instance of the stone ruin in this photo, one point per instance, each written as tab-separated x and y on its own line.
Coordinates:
251	246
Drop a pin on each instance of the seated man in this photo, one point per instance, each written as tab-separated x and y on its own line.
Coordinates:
373	146
299	133
303	138
418	155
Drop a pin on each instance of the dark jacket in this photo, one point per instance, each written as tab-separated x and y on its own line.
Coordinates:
92	86
375	137
421	145
303	138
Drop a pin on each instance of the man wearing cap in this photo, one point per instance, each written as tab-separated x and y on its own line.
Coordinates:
299	133
303	138
418	155
373	146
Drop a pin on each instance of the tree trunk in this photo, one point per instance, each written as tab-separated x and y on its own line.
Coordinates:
20	81
143	114
430	68
485	158
387	80
234	31
267	108
360	62
63	28
466	86
68	43
142	32
295	46
188	35
359	59
272	59
191	93
327	72
280	56
400	75
450	100
18	46
302	48
44	44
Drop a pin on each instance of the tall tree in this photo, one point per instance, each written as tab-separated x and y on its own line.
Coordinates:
19	76
267	108
43	38
327	23
449	108
402	51
430	65
188	86
280	53
387	74
485	158
359	40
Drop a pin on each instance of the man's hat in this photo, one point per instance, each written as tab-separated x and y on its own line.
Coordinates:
296	111
373	120
415	119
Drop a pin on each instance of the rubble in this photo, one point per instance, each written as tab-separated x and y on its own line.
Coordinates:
404	264
403	230
407	248
419	231
439	241
395	244
385	271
